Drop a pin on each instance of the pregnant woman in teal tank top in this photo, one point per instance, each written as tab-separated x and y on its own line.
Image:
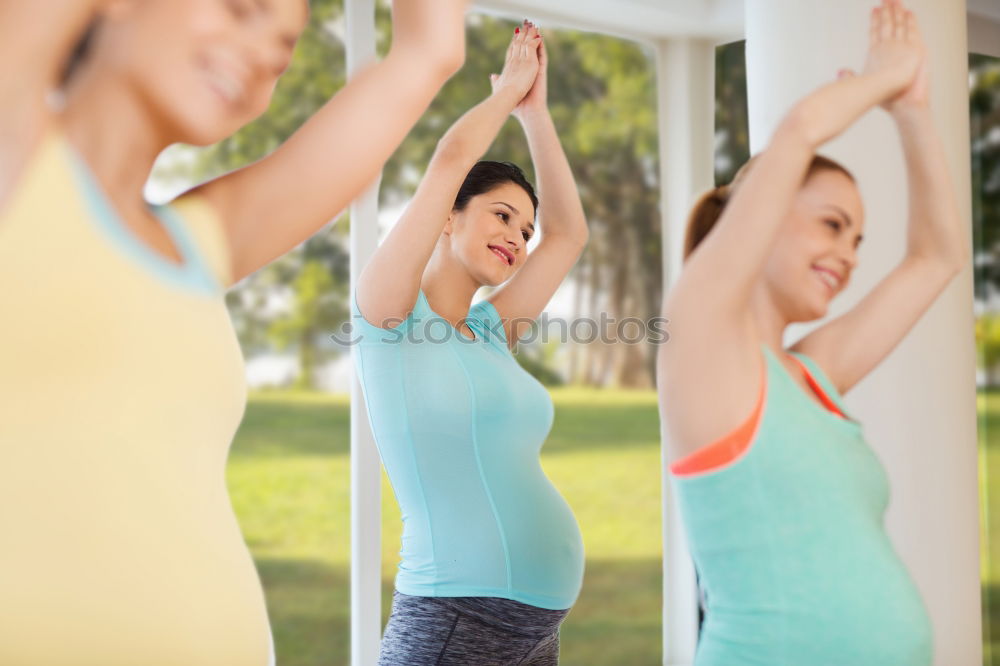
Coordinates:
492	557
784	508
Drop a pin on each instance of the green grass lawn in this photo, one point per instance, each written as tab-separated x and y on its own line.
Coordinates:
289	475
989	484
288	479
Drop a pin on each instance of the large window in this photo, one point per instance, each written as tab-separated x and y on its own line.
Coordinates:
984	83
732	127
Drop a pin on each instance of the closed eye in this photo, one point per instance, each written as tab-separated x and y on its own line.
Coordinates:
240	9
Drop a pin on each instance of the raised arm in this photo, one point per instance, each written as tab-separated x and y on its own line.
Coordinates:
561	220
709	373
36	40
739	244
389	283
271	206
852	345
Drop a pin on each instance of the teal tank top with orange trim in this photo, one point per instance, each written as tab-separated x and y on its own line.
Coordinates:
789	541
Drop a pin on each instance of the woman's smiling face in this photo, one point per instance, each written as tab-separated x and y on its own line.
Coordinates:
816	252
201	68
490	234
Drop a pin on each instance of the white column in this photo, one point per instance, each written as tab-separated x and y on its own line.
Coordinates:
366	488
685	71
919	406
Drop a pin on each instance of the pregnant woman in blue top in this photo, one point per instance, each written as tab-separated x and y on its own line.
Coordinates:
492	557
782	498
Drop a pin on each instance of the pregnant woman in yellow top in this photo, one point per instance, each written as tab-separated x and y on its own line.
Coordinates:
121	380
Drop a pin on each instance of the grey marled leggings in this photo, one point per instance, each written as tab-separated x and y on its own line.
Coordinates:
469	631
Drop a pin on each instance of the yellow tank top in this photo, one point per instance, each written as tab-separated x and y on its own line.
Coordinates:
121	386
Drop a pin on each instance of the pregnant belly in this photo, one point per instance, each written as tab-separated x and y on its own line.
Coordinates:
866	614
545	543
87	583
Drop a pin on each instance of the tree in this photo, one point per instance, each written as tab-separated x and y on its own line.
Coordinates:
984	104
732	124
316	310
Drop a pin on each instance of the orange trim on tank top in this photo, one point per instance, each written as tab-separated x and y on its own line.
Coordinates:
728	448
824	398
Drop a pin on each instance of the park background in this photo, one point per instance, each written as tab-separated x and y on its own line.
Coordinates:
288	473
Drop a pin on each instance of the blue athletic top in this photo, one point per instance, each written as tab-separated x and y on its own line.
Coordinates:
790	544
459	426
